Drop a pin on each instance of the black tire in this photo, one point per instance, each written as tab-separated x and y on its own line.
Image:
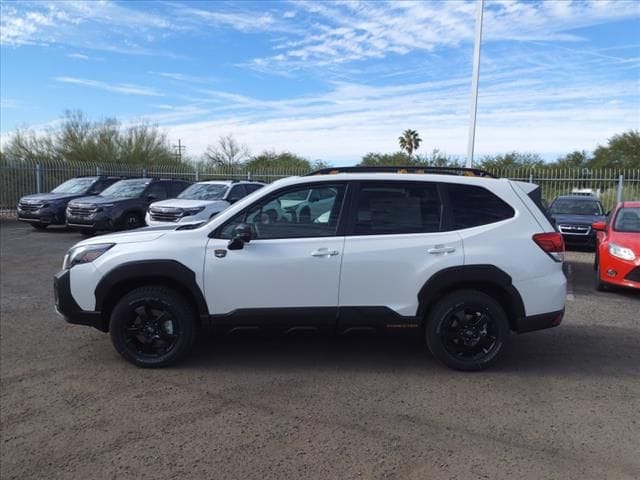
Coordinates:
132	220
39	226
467	330
139	330
87	233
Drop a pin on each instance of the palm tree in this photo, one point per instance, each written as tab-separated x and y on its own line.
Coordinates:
409	141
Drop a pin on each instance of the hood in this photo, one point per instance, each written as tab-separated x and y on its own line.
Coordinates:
145	234
186	203
50	197
577	219
98	200
132	236
626	239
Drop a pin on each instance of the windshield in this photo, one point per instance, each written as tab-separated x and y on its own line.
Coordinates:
628	220
126	188
204	191
576	207
75	185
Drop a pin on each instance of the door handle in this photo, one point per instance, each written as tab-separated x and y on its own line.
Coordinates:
324	252
441	249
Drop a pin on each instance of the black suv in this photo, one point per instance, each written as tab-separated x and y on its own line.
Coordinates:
574	215
122	205
44	209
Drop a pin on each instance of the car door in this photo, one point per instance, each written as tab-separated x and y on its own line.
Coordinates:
291	266
395	242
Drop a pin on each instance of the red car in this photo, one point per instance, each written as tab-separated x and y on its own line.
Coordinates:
618	248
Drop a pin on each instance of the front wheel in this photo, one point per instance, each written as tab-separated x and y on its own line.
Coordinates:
467	330
600	285
153	326
39	226
132	220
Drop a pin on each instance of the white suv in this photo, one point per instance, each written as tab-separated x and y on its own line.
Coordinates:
199	202
469	259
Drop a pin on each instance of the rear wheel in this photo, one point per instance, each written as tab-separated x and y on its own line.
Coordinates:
39	226
467	330
87	233
153	326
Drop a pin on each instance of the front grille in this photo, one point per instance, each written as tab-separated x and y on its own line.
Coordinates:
30	207
81	210
575	229
633	275
165	215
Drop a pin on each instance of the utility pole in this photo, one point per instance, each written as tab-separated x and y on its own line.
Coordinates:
474	83
179	149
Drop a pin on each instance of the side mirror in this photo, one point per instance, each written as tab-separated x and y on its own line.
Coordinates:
599	226
242	235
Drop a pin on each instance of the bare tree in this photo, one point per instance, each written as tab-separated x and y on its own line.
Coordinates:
227	152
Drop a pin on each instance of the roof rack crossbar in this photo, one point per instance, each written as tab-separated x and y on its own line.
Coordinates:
471	172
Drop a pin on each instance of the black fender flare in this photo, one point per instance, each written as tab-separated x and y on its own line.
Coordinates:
481	277
168	272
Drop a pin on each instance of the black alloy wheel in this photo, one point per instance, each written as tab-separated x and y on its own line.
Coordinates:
467	330
153	326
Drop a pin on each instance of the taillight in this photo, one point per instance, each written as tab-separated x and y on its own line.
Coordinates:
552	243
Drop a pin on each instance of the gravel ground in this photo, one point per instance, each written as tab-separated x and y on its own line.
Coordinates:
562	404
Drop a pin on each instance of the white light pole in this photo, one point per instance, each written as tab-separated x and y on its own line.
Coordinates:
474	84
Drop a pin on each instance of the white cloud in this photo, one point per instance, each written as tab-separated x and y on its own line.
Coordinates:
351	31
124	88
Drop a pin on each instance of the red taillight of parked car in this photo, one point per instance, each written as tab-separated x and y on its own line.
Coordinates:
552	243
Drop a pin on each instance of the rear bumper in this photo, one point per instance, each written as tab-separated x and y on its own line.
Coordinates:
539	322
67	307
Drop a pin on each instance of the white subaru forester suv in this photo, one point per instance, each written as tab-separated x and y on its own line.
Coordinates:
466	257
200	201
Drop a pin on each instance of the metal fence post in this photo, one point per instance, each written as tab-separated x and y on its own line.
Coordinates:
620	194
197	173
531	178
38	178
144	173
97	171
249	176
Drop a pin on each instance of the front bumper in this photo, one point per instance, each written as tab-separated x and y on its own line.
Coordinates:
44	216
90	222
67	307
623	273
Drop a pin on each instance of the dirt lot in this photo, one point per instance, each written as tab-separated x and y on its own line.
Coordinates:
563	404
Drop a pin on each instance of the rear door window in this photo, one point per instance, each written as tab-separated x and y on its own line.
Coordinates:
472	206
387	208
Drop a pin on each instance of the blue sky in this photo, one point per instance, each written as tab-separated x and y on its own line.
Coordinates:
329	81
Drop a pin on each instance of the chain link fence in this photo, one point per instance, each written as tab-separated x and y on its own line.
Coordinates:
26	177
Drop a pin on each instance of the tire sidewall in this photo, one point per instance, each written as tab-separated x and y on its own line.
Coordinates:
475	300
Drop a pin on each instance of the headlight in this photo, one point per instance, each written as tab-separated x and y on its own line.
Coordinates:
84	254
621	252
191	211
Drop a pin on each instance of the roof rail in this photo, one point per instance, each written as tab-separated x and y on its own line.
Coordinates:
467	172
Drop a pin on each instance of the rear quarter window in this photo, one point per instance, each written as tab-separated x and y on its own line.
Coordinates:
472	206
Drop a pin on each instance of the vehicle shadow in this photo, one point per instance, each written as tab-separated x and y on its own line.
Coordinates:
569	350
